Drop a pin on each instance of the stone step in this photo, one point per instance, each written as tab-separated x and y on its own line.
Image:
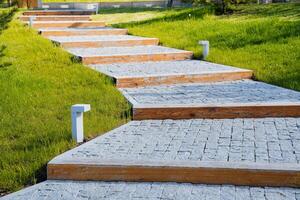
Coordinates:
59	12
57	18
97	190
243	151
109	55
68	24
82	31
127	75
103	41
231	99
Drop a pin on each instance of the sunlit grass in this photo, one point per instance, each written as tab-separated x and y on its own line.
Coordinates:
264	38
39	82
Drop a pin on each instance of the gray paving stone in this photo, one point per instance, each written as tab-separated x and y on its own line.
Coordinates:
164	68
241	91
94	38
96	190
113	51
77	29
193	140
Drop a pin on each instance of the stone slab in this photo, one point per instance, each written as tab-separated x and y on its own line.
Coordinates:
229	99
57	18
81	31
170	72
75	190
263	150
103	41
59	12
115	51
95	38
108	55
68	24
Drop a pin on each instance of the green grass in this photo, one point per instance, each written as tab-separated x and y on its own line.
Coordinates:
39	82
130	15
264	38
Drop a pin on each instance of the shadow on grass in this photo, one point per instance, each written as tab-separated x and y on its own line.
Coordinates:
129	10
5	17
180	14
272	31
268	10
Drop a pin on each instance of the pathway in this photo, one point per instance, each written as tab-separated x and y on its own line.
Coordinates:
196	123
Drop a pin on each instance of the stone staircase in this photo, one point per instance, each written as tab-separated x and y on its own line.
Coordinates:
200	130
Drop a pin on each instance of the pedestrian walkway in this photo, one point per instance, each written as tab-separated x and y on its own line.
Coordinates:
200	131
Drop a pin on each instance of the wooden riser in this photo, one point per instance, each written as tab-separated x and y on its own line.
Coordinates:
136	58
131	82
41	12
216	112
70	24
150	41
84	33
57	18
206	173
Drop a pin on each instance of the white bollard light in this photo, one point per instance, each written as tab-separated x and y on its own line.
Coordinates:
31	20
205	45
77	111
97	8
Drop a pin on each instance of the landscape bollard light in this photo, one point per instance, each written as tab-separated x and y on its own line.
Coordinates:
77	111
31	20
205	45
97	8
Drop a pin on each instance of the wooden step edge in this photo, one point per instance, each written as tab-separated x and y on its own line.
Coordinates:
62	13
69	24
116	43
286	175
83	33
143	112
136	58
130	82
55	18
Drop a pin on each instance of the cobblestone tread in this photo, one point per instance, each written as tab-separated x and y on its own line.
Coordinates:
113	51
264	140
78	29
144	69
73	190
95	38
241	91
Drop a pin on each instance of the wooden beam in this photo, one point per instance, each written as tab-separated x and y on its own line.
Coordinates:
130	82
142	112
84	32
136	58
95	44
250	174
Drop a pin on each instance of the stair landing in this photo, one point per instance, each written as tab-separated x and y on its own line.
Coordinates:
259	152
103	41
81	31
229	99
59	12
127	75
97	190
109	55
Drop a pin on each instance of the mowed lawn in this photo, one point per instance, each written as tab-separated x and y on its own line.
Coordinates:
38	84
264	38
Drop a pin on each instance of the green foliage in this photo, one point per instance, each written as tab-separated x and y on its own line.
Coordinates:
264	38
38	84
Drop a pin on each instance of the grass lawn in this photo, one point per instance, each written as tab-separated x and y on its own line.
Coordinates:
264	38
39	82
